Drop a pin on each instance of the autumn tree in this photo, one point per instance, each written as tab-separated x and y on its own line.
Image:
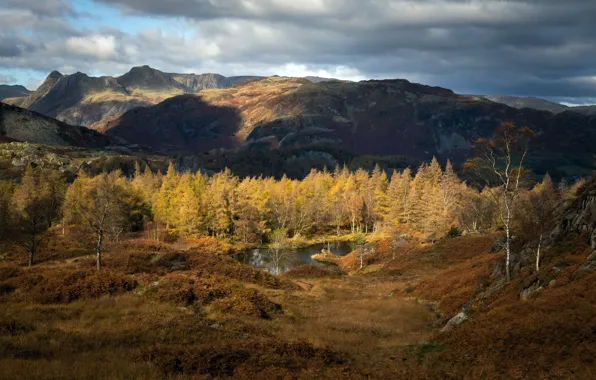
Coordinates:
476	213
250	211
538	211
398	197
164	202
500	164
98	203
6	190
277	248
53	190
218	202
359	245
35	206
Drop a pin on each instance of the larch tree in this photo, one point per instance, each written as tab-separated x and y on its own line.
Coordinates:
53	190
6	190
31	205
164	203
500	163
451	190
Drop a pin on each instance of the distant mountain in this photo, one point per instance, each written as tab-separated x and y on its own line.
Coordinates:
43	90
383	118
585	110
242	79
321	79
8	91
18	124
528	102
539	104
79	99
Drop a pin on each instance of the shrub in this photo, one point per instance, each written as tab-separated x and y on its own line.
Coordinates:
68	287
313	271
221	292
453	232
241	358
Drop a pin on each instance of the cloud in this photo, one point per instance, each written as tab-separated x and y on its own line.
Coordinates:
7	79
98	46
519	47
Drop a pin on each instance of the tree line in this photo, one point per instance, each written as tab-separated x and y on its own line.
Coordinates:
428	203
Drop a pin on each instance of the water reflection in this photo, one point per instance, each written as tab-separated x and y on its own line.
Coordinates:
289	258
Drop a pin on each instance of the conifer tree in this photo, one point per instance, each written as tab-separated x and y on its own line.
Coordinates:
33	205
6	190
164	203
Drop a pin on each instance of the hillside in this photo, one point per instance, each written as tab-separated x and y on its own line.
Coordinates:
389	117
24	125
8	91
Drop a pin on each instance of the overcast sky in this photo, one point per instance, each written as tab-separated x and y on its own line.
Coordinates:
543	48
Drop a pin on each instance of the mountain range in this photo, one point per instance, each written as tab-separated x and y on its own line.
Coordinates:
186	114
79	99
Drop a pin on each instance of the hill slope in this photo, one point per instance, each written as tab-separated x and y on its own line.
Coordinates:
528	102
8	91
27	126
389	117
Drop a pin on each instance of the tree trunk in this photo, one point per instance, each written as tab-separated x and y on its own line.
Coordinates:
538	254
32	251
98	250
507	251
361	258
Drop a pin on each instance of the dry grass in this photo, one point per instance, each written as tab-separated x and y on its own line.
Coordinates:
352	314
202	315
313	271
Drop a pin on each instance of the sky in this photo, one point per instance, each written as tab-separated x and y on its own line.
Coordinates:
543	48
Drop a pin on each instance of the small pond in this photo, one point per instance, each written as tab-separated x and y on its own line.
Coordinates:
290	258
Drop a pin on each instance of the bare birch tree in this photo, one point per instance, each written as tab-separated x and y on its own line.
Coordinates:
98	203
500	163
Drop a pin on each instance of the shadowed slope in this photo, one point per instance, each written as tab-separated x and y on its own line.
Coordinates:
388	117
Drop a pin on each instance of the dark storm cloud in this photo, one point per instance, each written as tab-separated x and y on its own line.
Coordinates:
40	7
541	47
8	48
533	47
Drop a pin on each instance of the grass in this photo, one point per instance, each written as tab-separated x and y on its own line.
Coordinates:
165	310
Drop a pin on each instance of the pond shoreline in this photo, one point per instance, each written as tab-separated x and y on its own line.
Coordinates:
290	258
